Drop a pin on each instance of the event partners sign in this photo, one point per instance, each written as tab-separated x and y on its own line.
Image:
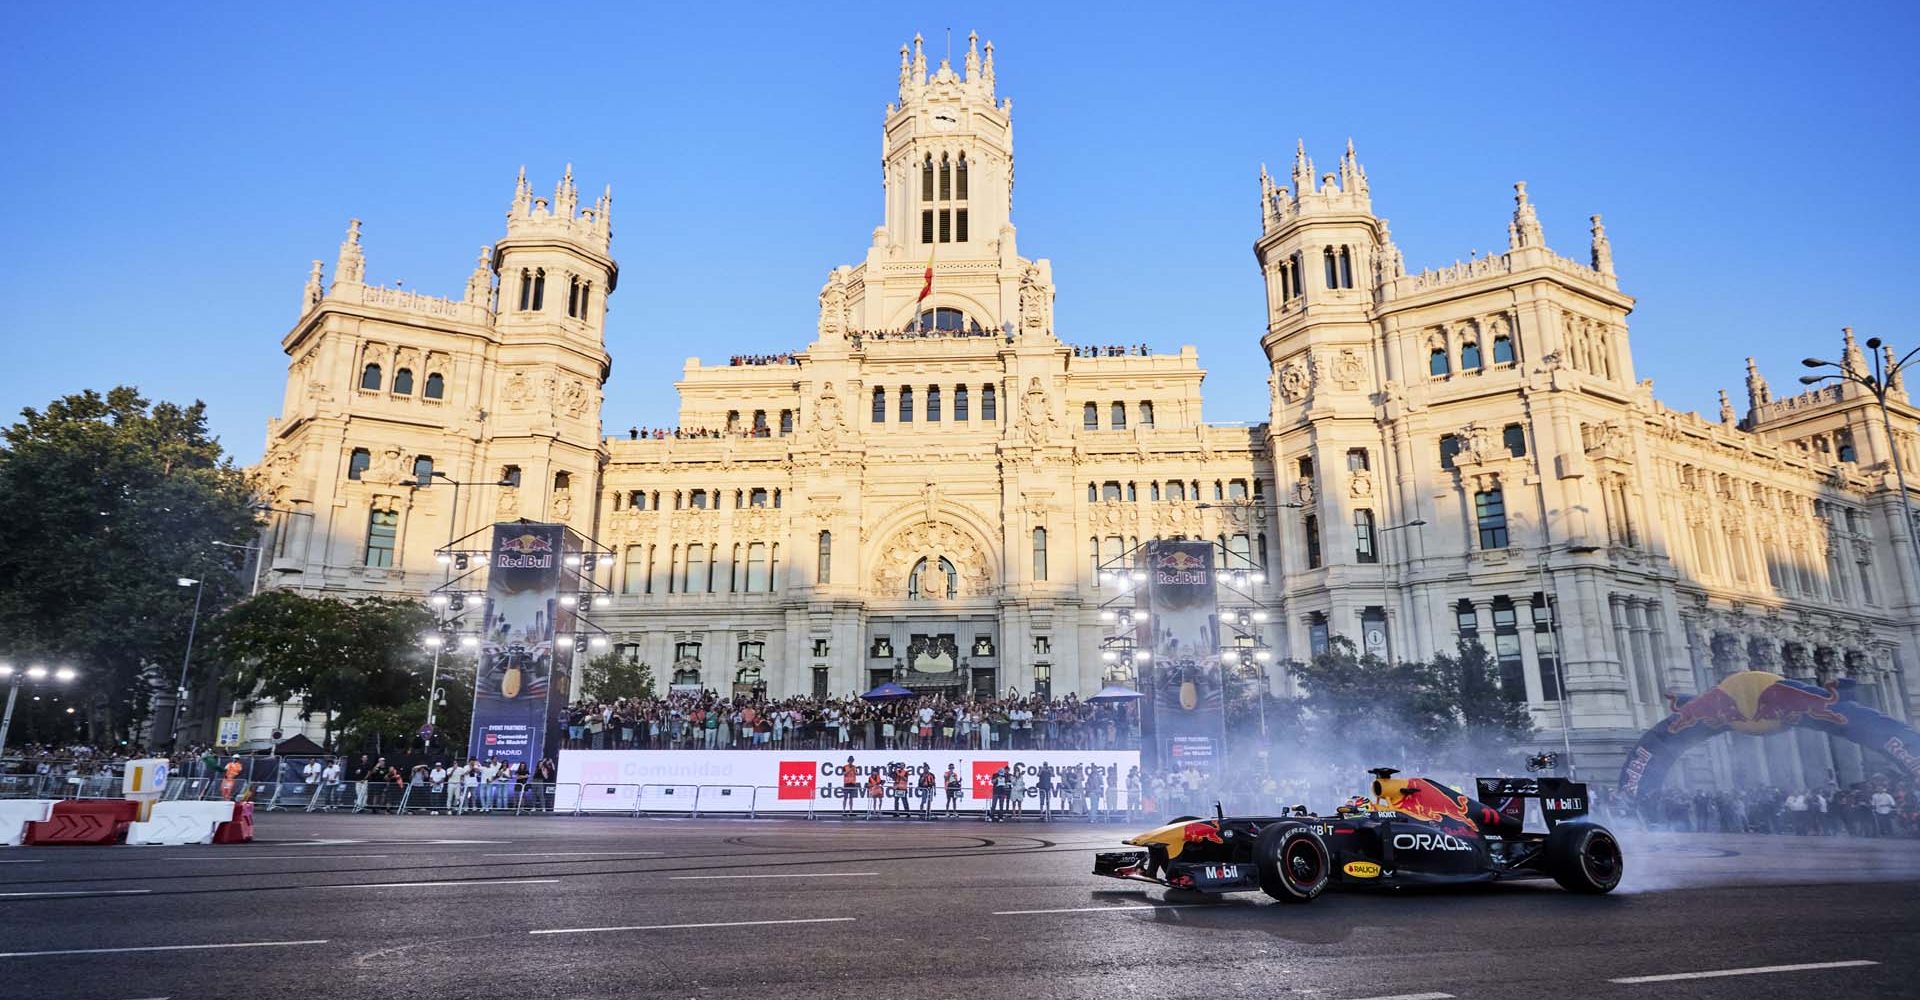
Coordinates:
521	683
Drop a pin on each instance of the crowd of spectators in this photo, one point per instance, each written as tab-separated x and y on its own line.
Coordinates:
972	329
707	720
787	358
1877	807
1112	351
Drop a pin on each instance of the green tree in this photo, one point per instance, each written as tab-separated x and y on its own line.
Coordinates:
1492	720
331	656
1363	710
611	676
105	500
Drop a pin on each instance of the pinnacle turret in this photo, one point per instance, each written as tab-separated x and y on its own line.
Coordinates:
315	291
562	215
1852	361
480	282
1757	391
1602	250
1894	382
1524	230
351	268
1726	409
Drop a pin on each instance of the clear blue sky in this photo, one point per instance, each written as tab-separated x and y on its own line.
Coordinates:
174	167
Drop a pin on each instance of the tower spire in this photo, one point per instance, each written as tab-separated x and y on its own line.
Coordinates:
973	55
1267	195
480	282
1302	169
1757	392
1524	230
352	265
1851	359
1894	382
1726	409
986	70
315	290
522	195
906	76
919	60
565	198
1602	250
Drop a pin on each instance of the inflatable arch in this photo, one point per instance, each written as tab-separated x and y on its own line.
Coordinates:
1761	704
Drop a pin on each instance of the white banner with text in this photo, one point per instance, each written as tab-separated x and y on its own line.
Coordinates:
793	780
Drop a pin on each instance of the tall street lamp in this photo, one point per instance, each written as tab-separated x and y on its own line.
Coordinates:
258	555
1877	384
1386	644
33	673
193	625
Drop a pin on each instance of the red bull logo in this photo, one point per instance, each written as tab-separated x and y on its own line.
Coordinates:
1425	801
1201	833
1179	561
1757	703
526	544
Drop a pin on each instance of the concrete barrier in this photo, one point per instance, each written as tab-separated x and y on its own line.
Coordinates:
239	830
15	814
84	821
181	823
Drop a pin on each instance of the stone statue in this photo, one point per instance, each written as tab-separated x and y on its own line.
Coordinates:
1033	300
932	581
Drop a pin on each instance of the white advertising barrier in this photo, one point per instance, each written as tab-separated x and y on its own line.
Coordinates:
15	814
180	823
794	780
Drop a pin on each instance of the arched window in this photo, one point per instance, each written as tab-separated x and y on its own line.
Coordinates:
1146	413
1437	361
1039	553
423	470
1090	416
942	319
1133	495
526	289
824	572
1176	490
989	406
357	463
946	178
1346	267
510	475
1502	349
586	294
1333	268
436	386
1469	356
933	404
959	402
403	382
947	584
539	288
759	423
786	422
906	404
879	405
699	500
1119	417
383	530
575	307
1093	493
370	377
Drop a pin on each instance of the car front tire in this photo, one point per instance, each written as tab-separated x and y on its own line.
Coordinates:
1295	865
1584	858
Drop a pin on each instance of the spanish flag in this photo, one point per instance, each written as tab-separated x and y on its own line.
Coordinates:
926	285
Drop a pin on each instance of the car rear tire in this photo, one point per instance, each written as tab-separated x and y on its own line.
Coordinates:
1584	857
1294	863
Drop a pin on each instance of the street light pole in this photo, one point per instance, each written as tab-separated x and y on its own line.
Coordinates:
259	554
62	675
1877	384
193	625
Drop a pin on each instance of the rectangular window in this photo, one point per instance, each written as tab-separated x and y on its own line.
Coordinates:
1506	650
1039	553
1313	541
926	226
1110	492
987	404
383	528
757	568
946	226
1363	547
1467	620
879	406
960	402
1317	634
820	683
824	574
1237	489
1449	447
933	404
1357	460
1546	651
960	224
636	570
1490	510
695	582
1515	438
906	405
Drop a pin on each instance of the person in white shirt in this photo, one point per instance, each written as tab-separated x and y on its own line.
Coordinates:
329	783
1797	812
1882	813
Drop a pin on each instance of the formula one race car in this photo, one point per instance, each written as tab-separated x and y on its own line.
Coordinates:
1413	831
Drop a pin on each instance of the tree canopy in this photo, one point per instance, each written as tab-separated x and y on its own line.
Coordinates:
105	502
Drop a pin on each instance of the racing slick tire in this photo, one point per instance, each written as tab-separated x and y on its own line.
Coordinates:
1584	857
1294	863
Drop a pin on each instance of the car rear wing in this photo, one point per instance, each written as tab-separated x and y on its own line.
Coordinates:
1560	799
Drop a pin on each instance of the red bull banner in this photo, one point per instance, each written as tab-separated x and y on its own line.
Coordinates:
522	679
1758	703
1183	716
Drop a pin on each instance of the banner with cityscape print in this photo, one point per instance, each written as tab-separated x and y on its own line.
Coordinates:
1183	716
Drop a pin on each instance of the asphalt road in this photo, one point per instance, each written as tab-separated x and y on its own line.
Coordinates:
358	906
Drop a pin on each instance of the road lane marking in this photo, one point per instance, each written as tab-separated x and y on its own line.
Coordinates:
407	885
24	861
573	854
81	892
698	878
1412	996
1101	909
162	947
676	927
266	857
1753	971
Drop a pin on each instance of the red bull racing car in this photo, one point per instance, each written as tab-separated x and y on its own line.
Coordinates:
1412	831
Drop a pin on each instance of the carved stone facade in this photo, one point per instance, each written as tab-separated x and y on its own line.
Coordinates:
945	475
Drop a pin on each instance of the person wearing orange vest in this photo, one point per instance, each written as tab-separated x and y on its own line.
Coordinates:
233	777
849	786
876	791
900	806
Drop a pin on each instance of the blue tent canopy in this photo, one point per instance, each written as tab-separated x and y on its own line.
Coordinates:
887	692
1115	692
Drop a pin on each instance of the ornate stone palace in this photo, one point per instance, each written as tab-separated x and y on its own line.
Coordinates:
927	487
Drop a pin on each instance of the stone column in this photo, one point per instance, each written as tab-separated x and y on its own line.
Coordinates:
1645	670
1617	609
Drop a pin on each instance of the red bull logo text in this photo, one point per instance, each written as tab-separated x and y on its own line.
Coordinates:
1201	833
525	551
1757	703
1425	801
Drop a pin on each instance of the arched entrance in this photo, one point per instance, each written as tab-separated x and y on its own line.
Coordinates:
1759	703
